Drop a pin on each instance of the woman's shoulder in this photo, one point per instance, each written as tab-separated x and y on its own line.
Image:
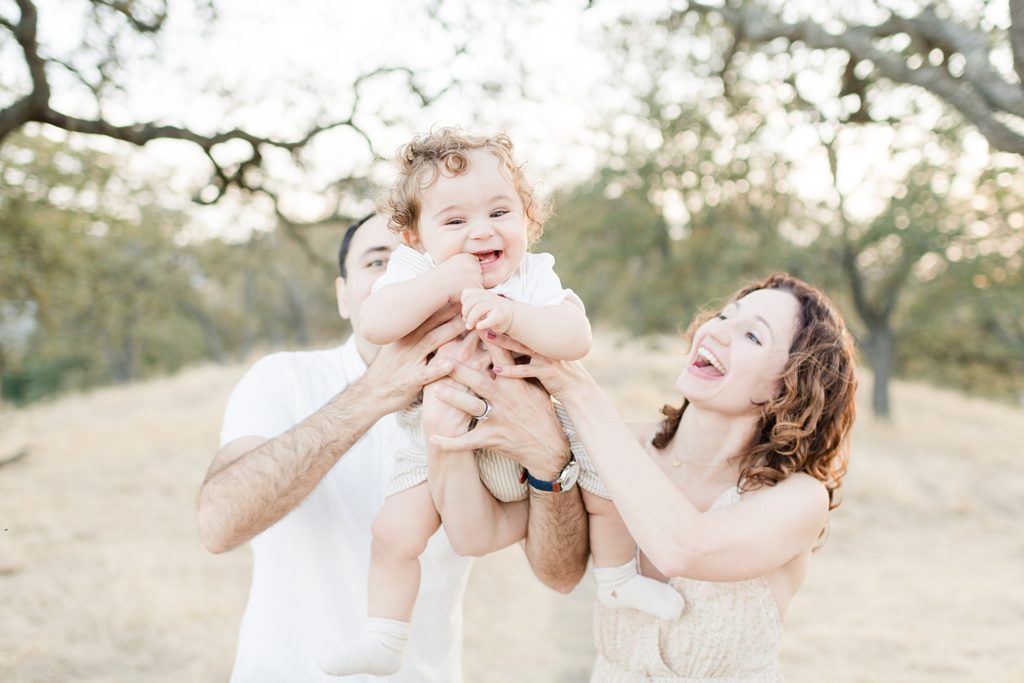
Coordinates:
799	490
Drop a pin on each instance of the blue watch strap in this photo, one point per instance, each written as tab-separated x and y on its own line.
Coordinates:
540	484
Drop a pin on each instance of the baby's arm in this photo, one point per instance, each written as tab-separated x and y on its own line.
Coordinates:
397	309
560	332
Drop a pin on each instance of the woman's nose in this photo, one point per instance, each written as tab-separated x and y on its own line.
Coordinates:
720	333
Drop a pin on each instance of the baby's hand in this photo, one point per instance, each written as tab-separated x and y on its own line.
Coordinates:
462	271
483	310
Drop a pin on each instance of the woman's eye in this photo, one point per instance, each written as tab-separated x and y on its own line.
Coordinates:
721	316
377	263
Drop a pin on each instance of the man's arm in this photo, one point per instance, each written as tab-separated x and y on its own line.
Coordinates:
557	541
522	424
474	520
254	482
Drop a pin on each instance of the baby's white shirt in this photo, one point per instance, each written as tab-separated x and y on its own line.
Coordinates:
533	282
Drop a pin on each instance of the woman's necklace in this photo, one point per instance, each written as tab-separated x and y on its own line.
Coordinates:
677	463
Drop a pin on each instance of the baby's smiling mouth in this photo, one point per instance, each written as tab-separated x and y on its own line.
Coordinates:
485	257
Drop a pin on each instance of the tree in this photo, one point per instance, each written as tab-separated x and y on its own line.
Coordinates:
964	65
924	239
93	284
96	288
754	133
97	66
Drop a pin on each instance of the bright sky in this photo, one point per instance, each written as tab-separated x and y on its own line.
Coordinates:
274	68
290	64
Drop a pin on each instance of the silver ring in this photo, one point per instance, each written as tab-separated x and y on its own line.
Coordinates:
487	411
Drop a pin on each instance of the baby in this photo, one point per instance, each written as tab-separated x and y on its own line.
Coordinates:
466	217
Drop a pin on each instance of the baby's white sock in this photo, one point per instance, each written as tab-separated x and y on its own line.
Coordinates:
378	651
619	587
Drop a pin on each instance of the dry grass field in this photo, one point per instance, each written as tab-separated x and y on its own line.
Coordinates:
102	578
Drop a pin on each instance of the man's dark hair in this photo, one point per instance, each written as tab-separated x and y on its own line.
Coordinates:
346	242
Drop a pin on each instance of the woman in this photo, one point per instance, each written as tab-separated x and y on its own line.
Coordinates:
728	495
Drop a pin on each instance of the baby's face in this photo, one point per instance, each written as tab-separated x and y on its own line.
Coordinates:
478	212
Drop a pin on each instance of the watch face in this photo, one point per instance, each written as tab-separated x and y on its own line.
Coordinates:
570	473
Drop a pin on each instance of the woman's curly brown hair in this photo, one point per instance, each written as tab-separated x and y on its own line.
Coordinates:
444	150
806	427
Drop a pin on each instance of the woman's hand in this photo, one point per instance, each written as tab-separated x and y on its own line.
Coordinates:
558	377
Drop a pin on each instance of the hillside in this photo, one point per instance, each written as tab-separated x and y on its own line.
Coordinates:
102	577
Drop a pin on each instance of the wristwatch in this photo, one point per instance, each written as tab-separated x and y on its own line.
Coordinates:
565	480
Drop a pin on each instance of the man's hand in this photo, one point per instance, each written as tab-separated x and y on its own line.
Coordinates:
521	424
483	310
438	417
401	369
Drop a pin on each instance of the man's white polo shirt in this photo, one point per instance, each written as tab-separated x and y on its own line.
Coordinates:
309	578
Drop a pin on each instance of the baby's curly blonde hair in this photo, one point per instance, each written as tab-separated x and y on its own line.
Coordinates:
444	150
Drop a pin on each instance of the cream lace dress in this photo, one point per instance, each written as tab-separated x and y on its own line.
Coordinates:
729	633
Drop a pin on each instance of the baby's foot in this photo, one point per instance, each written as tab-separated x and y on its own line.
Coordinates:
378	651
624	587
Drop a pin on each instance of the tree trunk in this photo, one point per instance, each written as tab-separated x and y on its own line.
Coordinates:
879	347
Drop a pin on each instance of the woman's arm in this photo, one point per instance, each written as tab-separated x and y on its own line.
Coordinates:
734	543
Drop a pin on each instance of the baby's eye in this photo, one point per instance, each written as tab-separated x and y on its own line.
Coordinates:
499	213
721	316
753	337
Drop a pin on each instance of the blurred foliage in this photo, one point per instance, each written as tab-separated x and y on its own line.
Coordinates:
96	288
734	173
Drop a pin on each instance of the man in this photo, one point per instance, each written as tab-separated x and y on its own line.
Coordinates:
306	452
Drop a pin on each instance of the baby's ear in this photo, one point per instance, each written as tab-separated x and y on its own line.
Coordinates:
411	239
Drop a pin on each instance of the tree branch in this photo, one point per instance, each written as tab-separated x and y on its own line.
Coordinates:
149	17
980	98
1017	38
952	38
127	9
847	253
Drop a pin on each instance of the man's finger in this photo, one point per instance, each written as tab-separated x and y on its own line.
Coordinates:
514	371
499	355
467	442
459	348
440	335
434	370
468	403
476	381
505	342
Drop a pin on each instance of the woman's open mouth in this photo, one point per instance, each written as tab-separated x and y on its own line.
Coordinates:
707	363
